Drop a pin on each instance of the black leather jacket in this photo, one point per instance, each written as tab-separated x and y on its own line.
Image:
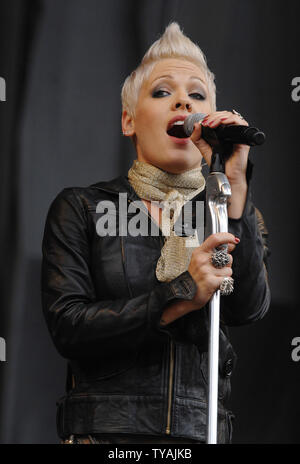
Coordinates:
103	304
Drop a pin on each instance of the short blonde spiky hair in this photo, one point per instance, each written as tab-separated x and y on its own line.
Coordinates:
172	44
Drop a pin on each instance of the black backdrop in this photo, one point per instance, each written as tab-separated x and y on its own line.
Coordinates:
64	62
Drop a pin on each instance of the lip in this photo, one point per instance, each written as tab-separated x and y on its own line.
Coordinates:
179	141
176	118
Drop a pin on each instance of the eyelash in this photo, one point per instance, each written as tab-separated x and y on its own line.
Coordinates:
157	94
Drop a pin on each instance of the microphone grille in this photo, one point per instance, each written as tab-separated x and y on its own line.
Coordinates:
189	122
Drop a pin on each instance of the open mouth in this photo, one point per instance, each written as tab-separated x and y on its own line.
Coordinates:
176	130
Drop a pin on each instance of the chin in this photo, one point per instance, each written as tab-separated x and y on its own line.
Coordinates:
179	163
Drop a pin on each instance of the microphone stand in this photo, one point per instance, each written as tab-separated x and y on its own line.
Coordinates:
217	193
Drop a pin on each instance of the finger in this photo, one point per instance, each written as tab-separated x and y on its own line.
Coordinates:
226	265
219	281
220	238
231	247
223	272
228	247
213	116
197	132
225	119
217	115
230	261
216	282
204	148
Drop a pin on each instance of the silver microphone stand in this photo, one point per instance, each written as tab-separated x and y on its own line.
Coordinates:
217	193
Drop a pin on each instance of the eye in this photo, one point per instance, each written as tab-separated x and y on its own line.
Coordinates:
160	93
197	96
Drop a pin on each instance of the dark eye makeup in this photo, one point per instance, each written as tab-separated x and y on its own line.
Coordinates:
198	96
159	93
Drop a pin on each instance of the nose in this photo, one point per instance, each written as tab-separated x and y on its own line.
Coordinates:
183	104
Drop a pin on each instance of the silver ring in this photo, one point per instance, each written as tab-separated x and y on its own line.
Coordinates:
237	114
220	258
226	287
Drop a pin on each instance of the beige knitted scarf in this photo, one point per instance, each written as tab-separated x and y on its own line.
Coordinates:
172	191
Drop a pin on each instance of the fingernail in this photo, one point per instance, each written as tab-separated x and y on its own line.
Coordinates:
211	123
204	123
222	119
237	240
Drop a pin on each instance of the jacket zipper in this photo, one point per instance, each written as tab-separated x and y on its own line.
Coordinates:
171	357
171	376
171	373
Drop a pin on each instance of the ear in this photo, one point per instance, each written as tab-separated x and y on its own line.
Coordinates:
127	124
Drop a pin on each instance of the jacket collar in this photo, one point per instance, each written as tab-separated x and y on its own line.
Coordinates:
117	185
121	184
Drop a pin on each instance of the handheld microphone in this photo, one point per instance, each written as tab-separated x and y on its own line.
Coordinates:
235	134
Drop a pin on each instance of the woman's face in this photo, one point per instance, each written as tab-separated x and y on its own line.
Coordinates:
175	87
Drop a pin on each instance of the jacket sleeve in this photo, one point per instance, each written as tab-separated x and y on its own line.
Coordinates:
250	299
81	326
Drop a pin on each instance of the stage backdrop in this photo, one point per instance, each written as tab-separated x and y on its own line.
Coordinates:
64	62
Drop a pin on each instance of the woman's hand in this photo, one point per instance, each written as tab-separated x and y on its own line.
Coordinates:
207	278
235	166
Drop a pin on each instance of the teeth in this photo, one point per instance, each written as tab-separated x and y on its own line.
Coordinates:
178	123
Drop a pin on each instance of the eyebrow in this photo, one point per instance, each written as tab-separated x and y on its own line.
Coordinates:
171	77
